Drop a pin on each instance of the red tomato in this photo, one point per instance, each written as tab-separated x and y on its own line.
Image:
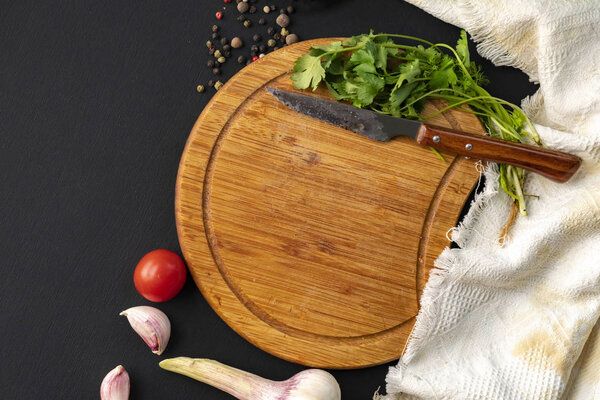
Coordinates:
159	275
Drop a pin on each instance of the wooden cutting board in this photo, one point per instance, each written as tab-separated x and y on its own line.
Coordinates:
312	242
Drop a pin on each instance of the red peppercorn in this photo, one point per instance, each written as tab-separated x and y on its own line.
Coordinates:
219	15
227	1
254	58
211	48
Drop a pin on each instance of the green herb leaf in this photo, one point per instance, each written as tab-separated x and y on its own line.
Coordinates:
308	71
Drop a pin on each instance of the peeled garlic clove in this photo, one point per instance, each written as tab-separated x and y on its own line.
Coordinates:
115	385
152	325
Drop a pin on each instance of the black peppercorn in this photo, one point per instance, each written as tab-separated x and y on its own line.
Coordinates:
241	18
241	59
276	36
226	47
226	53
210	63
253	53
211	83
252	10
215	28
272	7
217	64
224	41
262	21
283	11
215	35
256	38
290	10
254	48
216	71
261	48
270	30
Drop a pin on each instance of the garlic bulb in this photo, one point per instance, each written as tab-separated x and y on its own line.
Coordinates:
115	385
152	325
310	384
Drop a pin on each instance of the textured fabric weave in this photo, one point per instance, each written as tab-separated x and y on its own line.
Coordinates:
519	319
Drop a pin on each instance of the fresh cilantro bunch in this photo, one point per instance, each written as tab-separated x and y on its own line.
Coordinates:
373	72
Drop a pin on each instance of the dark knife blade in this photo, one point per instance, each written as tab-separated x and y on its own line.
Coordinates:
373	125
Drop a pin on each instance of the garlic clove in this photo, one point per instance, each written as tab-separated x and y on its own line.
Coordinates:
311	384
314	384
152	325
115	385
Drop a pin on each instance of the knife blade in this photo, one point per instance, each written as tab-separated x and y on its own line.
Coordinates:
552	164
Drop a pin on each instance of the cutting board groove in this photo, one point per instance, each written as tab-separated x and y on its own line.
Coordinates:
311	242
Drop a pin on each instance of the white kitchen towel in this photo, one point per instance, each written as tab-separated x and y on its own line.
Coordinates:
518	320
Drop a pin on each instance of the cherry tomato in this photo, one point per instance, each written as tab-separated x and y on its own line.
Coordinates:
159	275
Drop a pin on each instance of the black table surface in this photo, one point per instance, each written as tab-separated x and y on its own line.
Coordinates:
96	102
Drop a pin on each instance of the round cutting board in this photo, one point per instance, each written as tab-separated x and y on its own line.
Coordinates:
310	241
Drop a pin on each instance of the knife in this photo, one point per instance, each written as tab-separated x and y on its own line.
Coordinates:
552	164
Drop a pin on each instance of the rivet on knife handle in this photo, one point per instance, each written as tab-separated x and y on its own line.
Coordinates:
552	164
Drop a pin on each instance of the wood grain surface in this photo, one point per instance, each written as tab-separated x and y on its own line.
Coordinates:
312	242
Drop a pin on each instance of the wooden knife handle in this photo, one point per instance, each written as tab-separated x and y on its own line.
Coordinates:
552	164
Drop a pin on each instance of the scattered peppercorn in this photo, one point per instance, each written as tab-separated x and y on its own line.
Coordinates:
218	53
211	51
270	30
226	48
215	28
219	84
284	32
217	63
222	60
283	20
261	55
271	43
227	54
208	44
236	42
247	23
241	18
254	48
215	35
219	15
252	10
256	37
224	41
272	7
227	1
262	48
211	83
216	71
211	63
254	58
266	9
241	59
262	21
276	36
243	7
200	88
283	11
291	39
290	9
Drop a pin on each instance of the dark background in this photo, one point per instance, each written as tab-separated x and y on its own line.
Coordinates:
96	102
